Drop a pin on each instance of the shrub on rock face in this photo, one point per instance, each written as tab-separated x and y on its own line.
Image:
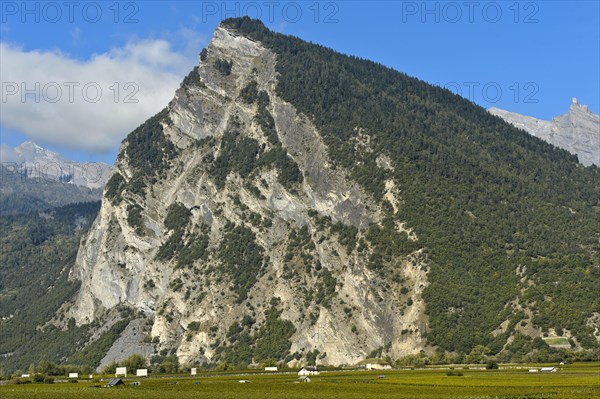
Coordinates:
223	66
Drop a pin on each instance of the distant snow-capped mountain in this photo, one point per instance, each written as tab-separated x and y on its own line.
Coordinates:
33	161
577	131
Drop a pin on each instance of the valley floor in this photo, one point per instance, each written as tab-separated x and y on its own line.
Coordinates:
576	381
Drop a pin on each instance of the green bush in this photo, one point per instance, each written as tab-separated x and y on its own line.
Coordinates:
223	66
149	153
289	173
178	216
249	94
114	188
134	218
491	365
194	326
241	258
238	154
265	119
177	219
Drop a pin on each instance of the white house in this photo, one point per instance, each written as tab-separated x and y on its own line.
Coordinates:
271	368
378	366
309	370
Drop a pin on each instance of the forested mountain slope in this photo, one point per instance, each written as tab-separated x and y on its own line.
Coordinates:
37	251
296	204
496	209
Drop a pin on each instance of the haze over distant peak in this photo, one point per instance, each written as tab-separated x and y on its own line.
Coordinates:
577	131
34	161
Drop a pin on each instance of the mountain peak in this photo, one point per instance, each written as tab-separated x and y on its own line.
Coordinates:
576	131
30	144
243	23
314	200
29	147
39	162
576	107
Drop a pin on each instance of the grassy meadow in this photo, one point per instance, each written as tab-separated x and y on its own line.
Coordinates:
576	381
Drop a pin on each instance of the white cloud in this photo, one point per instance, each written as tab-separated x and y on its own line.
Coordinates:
7	154
147	71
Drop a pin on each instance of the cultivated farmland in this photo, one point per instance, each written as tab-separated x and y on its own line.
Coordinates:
576	381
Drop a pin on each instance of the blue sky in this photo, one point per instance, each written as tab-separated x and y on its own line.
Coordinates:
529	57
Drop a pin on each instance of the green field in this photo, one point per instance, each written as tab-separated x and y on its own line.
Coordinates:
556	341
578	381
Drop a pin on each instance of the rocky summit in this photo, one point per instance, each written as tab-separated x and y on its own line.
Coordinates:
294	204
577	131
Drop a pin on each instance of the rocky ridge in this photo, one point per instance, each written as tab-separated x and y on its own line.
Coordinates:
577	131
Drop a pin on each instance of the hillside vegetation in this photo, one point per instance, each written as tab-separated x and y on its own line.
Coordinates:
38	249
510	222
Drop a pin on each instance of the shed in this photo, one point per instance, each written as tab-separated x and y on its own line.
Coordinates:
548	370
113	382
304	378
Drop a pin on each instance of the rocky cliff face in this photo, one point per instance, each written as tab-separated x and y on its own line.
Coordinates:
577	131
243	223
